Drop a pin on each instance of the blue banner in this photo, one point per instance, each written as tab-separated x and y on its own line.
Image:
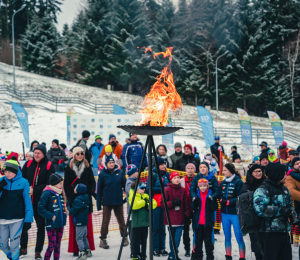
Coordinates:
207	125
118	110
276	127
23	120
246	130
168	140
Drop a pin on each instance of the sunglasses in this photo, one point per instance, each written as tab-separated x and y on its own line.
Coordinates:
80	154
143	188
271	154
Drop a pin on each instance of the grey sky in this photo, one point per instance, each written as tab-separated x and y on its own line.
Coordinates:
69	9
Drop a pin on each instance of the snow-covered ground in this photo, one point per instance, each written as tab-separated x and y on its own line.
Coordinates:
114	241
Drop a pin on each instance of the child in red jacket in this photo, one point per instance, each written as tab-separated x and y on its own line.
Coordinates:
177	203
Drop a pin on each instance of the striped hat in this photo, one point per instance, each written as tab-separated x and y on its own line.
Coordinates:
11	165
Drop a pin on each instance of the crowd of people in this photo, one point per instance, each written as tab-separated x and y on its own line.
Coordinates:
50	187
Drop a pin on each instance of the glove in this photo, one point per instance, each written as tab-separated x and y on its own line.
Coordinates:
60	161
223	202
196	202
26	226
285	211
146	204
176	202
3	183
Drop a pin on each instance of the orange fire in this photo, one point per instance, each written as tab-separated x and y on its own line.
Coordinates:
162	97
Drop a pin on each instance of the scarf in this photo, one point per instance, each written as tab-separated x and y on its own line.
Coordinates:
295	175
272	159
56	190
78	168
229	179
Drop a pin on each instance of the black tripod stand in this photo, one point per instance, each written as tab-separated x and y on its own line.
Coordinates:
150	131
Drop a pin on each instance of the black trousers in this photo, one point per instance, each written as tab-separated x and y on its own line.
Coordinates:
139	241
255	245
40	238
186	232
276	246
203	234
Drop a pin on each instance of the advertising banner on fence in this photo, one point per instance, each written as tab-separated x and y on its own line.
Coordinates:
168	140
207	126
246	130
23	120
276	127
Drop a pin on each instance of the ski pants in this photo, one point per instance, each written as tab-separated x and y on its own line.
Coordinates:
11	232
159	231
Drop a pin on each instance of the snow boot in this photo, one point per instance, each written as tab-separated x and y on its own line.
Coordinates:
126	241
156	253
164	253
75	254
103	243
210	256
228	257
187	254
23	252
82	256
88	253
135	257
38	256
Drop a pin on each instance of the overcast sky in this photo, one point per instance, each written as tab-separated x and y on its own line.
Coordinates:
69	9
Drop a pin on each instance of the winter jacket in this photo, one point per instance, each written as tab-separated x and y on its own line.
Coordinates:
129	181
186	183
215	150
132	153
240	168
165	157
82	143
80	210
95	151
268	199
210	207
15	201
175	156
110	187
213	185
251	183
156	185
38	176
117	150
283	152
229	191
292	182
184	160
265	150
173	192
86	178
52	204
140	215
54	155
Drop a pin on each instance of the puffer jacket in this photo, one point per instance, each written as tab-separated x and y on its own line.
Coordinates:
95	151
54	155
175	156
268	199
184	160
132	153
117	150
80	210
292	182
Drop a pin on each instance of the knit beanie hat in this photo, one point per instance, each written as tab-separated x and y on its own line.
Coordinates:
77	149
42	148
55	141
230	168
253	168
256	158
81	189
275	171
190	165
177	145
284	143
294	160
235	156
11	165
234	147
13	154
189	146
55	179
173	174
86	134
98	137
263	156
217	138
109	159
205	163
108	148
131	169
63	146
111	136
203	181
161	161
29	154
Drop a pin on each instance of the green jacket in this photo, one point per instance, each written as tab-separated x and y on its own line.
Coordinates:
174	157
140	216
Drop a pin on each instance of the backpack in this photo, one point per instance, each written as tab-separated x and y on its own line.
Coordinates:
249	221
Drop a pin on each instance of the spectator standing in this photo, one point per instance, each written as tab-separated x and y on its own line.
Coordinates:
109	152
272	157
283	151
33	145
212	162
233	151
117	148
79	171
82	143
111	184
64	147
179	209
264	161
186	158
15	208
132	152
292	155
55	154
95	151
161	152
217	149
273	203
37	172
178	153
256	160
264	147
239	166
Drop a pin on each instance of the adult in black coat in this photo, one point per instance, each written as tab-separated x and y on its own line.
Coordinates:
79	171
186	158
55	154
37	171
216	147
254	179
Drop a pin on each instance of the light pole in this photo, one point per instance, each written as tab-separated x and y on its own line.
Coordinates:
13	43
217	95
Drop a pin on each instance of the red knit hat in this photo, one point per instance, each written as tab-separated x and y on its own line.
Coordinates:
189	146
173	174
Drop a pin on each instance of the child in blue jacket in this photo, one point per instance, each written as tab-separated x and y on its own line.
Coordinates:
15	208
80	212
52	206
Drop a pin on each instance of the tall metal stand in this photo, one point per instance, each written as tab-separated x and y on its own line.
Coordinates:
151	152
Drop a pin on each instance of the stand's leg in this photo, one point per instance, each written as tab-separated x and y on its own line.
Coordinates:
135	189
150	198
164	197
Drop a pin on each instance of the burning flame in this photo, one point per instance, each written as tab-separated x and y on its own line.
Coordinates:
162	97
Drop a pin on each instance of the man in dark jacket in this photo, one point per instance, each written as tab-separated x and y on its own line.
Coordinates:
55	154
132	152
82	143
273	203
178	153
187	158
292	155
216	148
37	172
264	147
